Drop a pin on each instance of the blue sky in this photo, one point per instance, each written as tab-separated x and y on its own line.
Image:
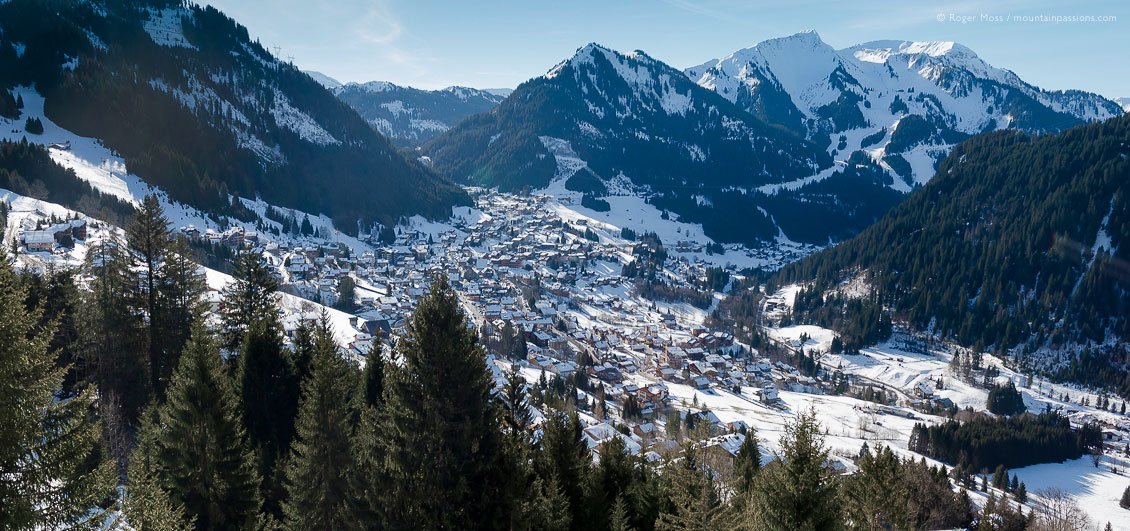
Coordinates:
489	44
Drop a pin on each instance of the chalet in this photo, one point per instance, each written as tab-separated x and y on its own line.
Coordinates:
39	241
646	431
923	391
768	395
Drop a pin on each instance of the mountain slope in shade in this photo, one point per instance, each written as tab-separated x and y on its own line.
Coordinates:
196	108
411	116
903	103
638	126
1019	244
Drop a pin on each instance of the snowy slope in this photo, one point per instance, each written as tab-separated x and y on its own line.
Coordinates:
326	81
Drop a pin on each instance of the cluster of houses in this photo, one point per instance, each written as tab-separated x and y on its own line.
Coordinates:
55	235
522	267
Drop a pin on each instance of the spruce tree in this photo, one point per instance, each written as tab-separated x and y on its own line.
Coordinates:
204	459
269	400
876	496
693	501
147	234
548	507
516	412
1124	502
182	289
321	461
371	481
52	471
247	299
110	333
747	462
800	491
565	457
303	352
618	519
372	376
146	504
441	426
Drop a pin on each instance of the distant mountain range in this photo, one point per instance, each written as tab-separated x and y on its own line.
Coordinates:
198	109
904	103
410	116
630	119
790	138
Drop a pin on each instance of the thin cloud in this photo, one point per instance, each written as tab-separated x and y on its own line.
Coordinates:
699	9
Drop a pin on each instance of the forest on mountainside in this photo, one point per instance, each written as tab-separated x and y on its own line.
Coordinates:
221	118
1018	244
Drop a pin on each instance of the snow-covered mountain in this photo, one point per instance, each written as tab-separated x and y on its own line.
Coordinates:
503	92
904	103
193	106
1124	103
410	116
324	80
603	121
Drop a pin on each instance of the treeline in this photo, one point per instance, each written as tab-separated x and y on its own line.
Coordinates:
999	248
27	169
985	442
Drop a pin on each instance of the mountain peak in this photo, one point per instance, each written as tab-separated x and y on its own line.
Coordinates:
377	86
806	35
583	55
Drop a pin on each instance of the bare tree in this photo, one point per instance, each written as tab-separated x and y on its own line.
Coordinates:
1057	511
1097	456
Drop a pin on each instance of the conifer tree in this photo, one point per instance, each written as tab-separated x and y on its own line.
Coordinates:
747	462
371	482
269	399
203	457
565	457
321	461
303	354
548	507
52	472
441	426
801	491
372	376
516	414
693	499
147	234
110	333
182	289
618	518
146	503
876	497
249	298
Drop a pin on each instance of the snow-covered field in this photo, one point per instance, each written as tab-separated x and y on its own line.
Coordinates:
1095	490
